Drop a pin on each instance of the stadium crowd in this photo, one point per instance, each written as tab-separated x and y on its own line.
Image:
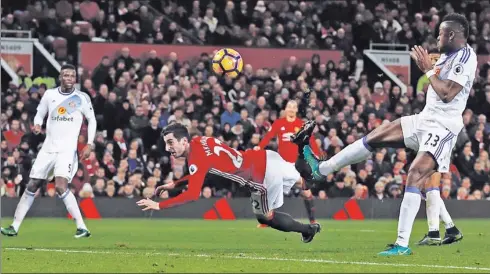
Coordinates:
134	99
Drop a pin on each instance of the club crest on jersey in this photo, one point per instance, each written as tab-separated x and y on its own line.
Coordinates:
192	169
458	69
61	110
72	104
296	129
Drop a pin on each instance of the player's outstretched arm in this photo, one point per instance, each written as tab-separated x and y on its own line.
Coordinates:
196	181
176	185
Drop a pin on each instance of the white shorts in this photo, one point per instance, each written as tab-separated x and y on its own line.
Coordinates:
54	164
280	177
422	133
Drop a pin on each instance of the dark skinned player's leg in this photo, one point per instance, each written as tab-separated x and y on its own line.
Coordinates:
421	169
61	185
23	207
387	135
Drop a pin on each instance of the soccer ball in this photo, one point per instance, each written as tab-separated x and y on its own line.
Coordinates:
227	62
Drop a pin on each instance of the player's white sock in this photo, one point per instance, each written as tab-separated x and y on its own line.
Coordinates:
433	208
72	207
23	207
445	217
408	211
352	154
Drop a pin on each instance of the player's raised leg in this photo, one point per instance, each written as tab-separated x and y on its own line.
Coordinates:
387	135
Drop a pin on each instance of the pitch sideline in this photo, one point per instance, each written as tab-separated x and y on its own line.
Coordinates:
245	257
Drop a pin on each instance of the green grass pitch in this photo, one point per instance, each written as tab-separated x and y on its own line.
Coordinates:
162	246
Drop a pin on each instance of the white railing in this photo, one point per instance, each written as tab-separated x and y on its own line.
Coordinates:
24	33
387	46
10	72
36	44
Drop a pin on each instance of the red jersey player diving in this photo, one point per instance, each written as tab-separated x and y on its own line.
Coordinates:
264	172
284	128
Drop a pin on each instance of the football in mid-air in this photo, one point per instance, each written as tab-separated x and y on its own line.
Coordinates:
227	62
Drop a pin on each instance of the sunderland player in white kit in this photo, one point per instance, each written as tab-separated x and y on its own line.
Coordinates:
66	106
432	133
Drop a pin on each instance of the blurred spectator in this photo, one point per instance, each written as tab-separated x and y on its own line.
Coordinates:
230	116
339	190
462	194
379	191
14	135
486	191
446	192
86	191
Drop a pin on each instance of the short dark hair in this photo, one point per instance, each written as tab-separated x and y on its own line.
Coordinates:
179	108
68	66
461	20
179	131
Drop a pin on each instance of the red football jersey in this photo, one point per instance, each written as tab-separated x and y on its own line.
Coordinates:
211	155
284	129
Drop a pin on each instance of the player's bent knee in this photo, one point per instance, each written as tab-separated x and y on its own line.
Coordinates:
418	176
265	217
34	185
390	135
262	219
61	185
421	169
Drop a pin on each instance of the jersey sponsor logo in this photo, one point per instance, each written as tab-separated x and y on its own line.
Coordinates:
458	69
61	110
287	136
192	169
62	119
